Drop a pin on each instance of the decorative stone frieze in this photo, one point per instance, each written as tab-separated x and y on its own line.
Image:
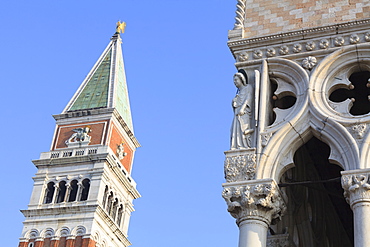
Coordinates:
242	57
284	50
257	54
240	167
339	41
310	45
357	186
279	240
354	39
297	48
270	52
302	41
324	43
257	199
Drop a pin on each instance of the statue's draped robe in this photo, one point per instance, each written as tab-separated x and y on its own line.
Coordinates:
241	123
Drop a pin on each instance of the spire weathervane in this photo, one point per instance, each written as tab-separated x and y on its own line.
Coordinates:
120	27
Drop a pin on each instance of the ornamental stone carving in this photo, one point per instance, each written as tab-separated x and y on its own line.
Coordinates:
338	41
80	137
297	48
251	200
284	50
265	137
309	62
356	187
242	57
354	39
270	52
367	36
359	130
279	240
310	45
121	151
257	54
324	43
240	168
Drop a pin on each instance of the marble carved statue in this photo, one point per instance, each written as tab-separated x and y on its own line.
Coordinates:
80	135
242	105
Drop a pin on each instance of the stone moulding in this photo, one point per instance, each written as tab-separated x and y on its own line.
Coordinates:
314	39
337	28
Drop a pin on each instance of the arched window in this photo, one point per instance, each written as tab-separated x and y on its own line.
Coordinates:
61	191
73	191
114	210
85	190
105	197
49	193
31	244
119	215
109	203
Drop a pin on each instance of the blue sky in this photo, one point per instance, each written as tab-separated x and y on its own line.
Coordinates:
179	73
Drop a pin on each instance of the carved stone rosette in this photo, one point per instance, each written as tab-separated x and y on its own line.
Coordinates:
255	200
356	187
240	167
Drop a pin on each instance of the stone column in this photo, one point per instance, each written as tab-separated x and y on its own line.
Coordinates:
356	185
255	204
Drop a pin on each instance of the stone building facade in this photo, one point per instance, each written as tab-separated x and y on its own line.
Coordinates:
83	189
297	172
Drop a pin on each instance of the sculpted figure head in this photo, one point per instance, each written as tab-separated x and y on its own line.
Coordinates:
240	80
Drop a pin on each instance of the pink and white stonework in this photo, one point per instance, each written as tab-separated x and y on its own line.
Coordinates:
307	158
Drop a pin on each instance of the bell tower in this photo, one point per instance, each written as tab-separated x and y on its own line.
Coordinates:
83	189
297	171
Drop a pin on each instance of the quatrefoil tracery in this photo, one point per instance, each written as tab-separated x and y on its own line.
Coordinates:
351	95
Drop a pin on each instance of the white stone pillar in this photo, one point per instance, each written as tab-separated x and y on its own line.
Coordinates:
356	185
254	204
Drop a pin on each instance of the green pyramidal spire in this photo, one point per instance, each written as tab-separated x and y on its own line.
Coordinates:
105	86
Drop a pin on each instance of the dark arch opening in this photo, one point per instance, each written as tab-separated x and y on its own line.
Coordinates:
105	197
318	214
85	190
49	193
73	192
62	191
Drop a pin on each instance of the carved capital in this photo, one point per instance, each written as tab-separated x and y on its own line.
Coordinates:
258	200
356	186
240	167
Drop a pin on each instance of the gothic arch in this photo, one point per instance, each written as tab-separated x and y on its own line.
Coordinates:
293	80
278	158
328	74
286	129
